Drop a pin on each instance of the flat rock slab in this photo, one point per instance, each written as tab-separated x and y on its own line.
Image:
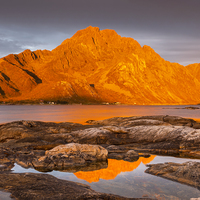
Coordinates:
37	134
147	120
28	186
187	173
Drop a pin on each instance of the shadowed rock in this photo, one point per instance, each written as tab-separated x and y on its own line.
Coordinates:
30	186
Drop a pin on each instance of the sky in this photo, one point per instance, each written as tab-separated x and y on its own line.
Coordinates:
170	27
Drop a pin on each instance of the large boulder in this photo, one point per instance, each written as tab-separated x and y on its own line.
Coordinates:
71	155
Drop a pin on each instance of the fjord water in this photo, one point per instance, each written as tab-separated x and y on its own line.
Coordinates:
120	177
82	113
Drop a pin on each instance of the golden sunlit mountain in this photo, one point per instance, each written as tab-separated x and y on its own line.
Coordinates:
98	66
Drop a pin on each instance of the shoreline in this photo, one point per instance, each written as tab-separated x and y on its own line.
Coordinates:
39	145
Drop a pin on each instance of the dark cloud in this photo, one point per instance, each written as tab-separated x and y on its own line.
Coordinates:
171	25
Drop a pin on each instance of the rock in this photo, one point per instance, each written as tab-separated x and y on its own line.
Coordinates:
70	156
116	149
6	166
196	125
147	120
74	147
187	173
132	153
44	186
145	155
192	108
25	142
97	66
37	135
130	156
143	122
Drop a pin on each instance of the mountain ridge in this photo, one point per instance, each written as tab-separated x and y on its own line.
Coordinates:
98	66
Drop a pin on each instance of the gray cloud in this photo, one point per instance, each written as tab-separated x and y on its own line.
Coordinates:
182	50
170	27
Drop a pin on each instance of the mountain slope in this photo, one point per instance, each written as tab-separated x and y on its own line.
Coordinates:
97	66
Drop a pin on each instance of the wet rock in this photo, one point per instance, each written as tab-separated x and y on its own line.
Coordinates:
187	173
145	155
130	156
70	156
30	186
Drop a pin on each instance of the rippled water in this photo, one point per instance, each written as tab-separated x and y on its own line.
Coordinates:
82	113
128	179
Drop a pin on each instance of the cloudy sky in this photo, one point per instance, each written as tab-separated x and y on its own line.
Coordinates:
170	27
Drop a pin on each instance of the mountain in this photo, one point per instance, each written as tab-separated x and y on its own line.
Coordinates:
98	66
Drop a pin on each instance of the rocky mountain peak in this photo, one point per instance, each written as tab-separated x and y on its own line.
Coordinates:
98	66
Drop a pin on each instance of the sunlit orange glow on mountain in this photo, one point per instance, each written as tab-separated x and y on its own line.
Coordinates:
114	168
98	66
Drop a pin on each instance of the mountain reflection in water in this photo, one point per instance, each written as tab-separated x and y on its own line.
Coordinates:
128	179
114	168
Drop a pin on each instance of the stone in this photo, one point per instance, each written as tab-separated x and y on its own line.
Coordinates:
187	173
74	147
172	136
70	155
147	120
44	186
97	66
130	156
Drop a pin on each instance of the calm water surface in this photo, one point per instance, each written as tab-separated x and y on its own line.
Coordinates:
128	179
82	113
5	195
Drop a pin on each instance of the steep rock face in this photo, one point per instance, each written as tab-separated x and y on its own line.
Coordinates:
98	66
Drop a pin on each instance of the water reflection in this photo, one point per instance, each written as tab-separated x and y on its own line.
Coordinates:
114	168
128	179
5	195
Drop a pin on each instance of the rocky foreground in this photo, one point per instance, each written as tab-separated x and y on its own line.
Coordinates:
74	147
